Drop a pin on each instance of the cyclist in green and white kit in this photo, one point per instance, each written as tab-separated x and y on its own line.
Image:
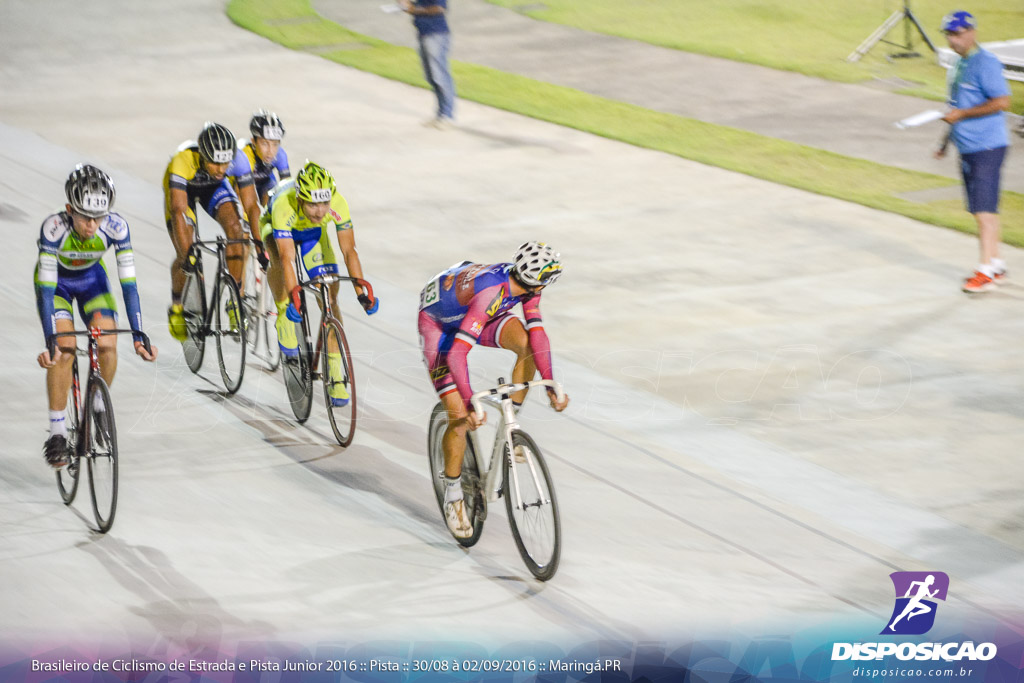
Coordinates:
70	267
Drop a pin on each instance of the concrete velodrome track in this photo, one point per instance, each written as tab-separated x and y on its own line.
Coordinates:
778	398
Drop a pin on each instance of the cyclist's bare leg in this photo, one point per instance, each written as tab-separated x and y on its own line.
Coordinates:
227	216
514	337
58	378
107	348
181	237
275	275
454	441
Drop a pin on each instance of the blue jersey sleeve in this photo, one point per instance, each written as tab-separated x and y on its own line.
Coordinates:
122	241
281	164
46	272
240	169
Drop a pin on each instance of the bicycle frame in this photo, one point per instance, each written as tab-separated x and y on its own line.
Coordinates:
93	335
319	287
501	396
218	249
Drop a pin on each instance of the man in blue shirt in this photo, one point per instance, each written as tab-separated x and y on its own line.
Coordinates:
435	42
978	96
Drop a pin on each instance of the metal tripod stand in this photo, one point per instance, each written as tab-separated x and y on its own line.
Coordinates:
910	22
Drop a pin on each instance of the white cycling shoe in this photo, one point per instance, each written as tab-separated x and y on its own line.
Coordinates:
457	518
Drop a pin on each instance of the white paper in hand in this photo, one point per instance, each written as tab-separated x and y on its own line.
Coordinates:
391	8
920	119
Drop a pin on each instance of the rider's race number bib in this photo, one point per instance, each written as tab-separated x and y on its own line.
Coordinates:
431	294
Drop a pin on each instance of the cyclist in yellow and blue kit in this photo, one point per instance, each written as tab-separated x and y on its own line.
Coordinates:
269	164
70	268
198	173
267	158
299	218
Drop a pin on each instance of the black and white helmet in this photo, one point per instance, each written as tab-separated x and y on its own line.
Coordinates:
536	264
267	125
216	143
90	191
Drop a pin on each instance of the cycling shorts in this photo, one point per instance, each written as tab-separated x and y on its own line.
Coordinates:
437	342
210	198
91	288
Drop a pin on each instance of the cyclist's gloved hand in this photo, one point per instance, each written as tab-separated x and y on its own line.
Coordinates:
370	306
261	255
294	306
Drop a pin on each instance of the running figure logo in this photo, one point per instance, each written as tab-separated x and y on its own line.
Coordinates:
916	593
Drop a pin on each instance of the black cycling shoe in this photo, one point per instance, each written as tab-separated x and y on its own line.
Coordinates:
56	451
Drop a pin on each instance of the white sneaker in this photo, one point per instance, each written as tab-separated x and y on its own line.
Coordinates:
457	519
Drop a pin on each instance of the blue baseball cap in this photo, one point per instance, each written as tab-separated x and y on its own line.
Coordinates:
960	20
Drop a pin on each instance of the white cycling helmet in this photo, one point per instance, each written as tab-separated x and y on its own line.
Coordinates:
90	191
536	264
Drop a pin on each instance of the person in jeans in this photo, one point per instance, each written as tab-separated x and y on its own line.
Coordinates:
434	42
978	96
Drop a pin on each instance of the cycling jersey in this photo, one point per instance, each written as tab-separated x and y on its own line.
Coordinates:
283	219
185	172
264	175
71	268
467	304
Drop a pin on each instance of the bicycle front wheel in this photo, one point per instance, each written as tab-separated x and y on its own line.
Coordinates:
229	329
193	303
102	454
472	485
532	507
298	379
339	382
67	477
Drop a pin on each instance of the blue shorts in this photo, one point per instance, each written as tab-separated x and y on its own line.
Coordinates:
91	288
981	179
210	198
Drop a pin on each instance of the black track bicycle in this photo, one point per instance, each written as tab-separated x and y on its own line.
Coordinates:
222	318
328	359
91	431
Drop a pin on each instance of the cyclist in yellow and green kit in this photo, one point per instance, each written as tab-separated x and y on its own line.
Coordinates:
298	221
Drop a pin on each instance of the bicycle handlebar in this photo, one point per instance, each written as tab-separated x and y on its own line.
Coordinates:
93	333
331	279
503	391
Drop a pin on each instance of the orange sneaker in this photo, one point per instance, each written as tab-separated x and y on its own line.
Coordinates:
1000	277
979	282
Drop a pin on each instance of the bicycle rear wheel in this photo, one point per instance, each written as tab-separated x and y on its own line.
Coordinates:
67	477
102	454
338	380
298	379
472	485
193	301
229	330
532	507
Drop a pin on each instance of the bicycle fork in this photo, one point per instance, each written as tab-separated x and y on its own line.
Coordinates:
507	424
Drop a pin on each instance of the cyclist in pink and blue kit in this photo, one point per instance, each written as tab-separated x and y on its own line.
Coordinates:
469	304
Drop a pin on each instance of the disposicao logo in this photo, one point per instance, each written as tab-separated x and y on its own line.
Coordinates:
913	615
916	593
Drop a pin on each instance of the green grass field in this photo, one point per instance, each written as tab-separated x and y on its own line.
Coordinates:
813	37
294	24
